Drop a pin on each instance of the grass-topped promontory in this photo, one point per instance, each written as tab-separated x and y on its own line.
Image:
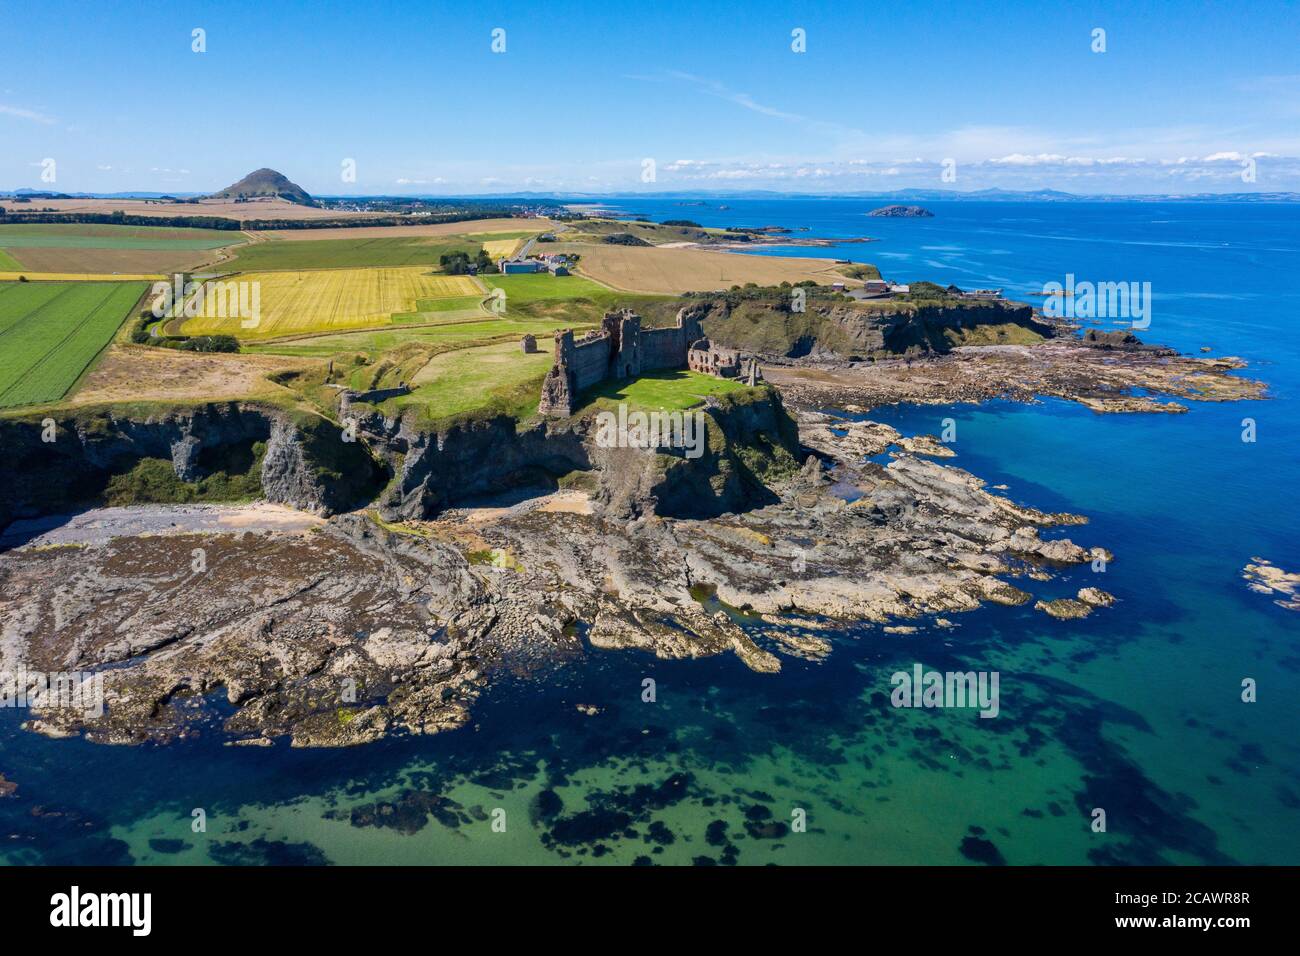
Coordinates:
669	390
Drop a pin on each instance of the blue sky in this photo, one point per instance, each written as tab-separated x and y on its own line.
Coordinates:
1012	93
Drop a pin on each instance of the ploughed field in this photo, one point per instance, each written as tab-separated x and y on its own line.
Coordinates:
672	271
101	248
332	300
50	332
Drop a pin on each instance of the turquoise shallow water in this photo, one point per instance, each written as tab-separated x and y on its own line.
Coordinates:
1135	710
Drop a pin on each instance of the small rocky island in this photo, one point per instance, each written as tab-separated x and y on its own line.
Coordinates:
901	212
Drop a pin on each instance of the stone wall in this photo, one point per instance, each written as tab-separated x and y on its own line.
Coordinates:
621	349
589	361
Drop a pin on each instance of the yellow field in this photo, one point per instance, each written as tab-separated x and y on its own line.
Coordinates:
329	300
498	248
449	286
79	277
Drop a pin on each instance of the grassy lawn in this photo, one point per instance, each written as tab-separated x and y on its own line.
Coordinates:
278	254
523	289
666	391
449	304
8	263
499	376
576	300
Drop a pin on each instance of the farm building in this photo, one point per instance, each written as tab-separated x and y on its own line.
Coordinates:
520	266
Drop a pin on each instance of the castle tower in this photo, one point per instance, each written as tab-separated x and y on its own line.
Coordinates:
558	389
627	357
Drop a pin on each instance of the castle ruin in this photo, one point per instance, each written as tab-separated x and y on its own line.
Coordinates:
621	349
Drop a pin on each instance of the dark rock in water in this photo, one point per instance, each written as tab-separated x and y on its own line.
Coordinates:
704	861
589	826
410	813
716	834
981	851
546	806
758	812
773	830
164	845
264	852
901	212
660	834
1121	340
643	861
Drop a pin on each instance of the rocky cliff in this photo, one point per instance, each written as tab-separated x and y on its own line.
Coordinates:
750	442
233	451
835	330
86	458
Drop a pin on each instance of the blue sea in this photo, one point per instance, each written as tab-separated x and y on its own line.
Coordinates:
1136	711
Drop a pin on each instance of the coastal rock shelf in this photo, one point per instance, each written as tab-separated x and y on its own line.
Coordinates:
494	549
342	631
1103	380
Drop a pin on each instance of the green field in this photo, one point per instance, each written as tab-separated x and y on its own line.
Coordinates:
499	376
454	334
668	391
51	331
8	263
277	254
93	236
523	289
577	300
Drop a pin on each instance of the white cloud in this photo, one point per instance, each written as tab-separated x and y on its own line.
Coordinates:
19	113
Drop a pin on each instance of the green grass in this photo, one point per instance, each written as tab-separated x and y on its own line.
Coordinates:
524	289
50	332
95	236
154	481
455	334
274	254
8	263
498	377
653	233
448	304
666	391
576	300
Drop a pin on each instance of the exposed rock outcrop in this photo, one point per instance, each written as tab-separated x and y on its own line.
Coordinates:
836	331
306	463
